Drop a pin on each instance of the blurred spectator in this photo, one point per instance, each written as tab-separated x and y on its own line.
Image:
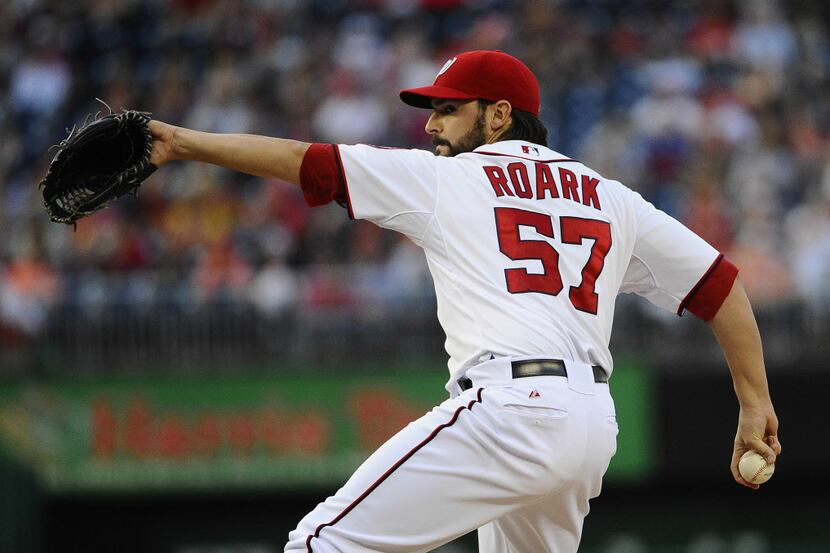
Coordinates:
274	289
349	115
808	227
221	273
28	289
707	211
221	107
763	39
39	83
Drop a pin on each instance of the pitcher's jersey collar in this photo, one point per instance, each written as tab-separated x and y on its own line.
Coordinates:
523	150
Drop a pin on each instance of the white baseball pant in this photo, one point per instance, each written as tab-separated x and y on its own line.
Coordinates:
516	458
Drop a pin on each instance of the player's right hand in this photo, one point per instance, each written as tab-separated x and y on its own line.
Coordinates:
757	431
163	135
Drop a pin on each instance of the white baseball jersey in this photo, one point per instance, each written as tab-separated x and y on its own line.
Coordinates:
528	249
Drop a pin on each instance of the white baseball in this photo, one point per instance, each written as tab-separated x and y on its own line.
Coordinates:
754	468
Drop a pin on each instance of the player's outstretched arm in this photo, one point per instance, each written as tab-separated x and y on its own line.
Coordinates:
737	333
256	155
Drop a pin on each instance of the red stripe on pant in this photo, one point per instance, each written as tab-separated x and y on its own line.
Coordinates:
394	467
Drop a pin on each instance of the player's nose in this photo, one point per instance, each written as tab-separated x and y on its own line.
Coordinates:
432	126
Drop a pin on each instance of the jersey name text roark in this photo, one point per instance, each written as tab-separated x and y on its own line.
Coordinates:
539	183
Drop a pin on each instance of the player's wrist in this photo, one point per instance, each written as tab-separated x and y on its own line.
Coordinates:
179	144
754	400
750	383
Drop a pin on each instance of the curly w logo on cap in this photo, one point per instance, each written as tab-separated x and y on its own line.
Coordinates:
487	74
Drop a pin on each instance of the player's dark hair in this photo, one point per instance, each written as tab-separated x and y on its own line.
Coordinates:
525	126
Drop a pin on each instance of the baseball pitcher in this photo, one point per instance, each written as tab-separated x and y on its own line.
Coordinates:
528	250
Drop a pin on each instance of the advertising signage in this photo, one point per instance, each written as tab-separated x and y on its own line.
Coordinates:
224	432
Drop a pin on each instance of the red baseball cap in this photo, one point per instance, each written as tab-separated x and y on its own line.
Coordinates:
486	74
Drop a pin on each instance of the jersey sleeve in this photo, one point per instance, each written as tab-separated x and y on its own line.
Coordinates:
673	267
393	188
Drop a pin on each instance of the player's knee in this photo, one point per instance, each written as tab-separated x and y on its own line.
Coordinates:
307	539
300	541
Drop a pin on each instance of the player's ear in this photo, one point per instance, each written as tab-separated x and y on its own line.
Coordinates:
501	112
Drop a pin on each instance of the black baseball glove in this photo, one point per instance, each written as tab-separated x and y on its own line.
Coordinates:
103	159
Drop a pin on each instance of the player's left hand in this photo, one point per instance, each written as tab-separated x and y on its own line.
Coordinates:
163	135
757	431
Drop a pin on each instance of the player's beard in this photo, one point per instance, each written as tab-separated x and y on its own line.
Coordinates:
470	141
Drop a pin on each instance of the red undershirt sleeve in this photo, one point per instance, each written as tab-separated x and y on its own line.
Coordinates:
321	176
705	299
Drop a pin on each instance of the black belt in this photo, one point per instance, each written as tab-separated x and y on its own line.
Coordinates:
539	367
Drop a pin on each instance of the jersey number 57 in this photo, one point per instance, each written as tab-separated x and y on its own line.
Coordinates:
573	231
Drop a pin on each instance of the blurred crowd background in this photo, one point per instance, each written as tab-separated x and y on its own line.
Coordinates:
717	111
